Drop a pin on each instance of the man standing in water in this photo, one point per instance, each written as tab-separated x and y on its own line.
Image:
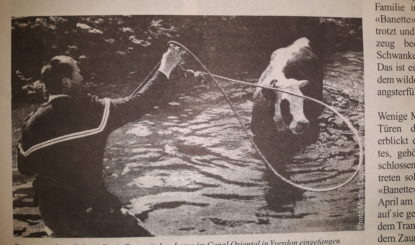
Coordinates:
63	144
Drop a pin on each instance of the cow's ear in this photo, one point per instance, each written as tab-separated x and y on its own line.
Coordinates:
268	94
303	83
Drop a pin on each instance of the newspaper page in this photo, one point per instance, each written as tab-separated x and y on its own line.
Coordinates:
389	42
207	122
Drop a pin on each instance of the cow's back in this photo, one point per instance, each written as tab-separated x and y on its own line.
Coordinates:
304	65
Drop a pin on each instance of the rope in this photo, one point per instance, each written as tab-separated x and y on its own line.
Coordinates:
146	79
265	160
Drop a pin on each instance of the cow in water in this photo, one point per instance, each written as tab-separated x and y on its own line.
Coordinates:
282	122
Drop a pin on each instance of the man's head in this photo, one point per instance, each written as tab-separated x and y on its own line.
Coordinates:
61	75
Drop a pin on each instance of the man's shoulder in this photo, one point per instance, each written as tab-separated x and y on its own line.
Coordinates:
66	108
39	112
89	100
85	103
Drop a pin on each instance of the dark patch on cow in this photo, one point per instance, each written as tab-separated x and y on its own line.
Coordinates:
305	65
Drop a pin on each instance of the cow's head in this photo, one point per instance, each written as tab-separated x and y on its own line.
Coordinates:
289	109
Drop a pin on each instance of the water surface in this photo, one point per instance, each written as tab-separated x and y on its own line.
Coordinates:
189	169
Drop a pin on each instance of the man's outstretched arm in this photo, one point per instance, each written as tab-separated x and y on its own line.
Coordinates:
130	108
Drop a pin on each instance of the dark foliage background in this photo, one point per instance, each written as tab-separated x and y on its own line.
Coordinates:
123	49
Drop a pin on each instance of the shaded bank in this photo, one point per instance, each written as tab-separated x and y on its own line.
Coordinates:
121	49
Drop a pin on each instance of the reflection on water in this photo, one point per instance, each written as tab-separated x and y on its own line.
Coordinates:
188	169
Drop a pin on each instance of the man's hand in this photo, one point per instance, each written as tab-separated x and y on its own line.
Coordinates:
171	58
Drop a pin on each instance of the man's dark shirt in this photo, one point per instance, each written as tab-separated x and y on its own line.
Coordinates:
76	164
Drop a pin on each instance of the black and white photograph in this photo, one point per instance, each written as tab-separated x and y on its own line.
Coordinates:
183	125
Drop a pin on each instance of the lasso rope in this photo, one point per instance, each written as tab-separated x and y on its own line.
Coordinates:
248	134
146	79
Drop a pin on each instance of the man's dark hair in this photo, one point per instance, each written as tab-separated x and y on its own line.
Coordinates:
53	73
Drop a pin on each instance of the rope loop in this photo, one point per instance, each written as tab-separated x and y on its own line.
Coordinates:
357	137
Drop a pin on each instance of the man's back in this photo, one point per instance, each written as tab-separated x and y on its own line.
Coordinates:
72	156
63	144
